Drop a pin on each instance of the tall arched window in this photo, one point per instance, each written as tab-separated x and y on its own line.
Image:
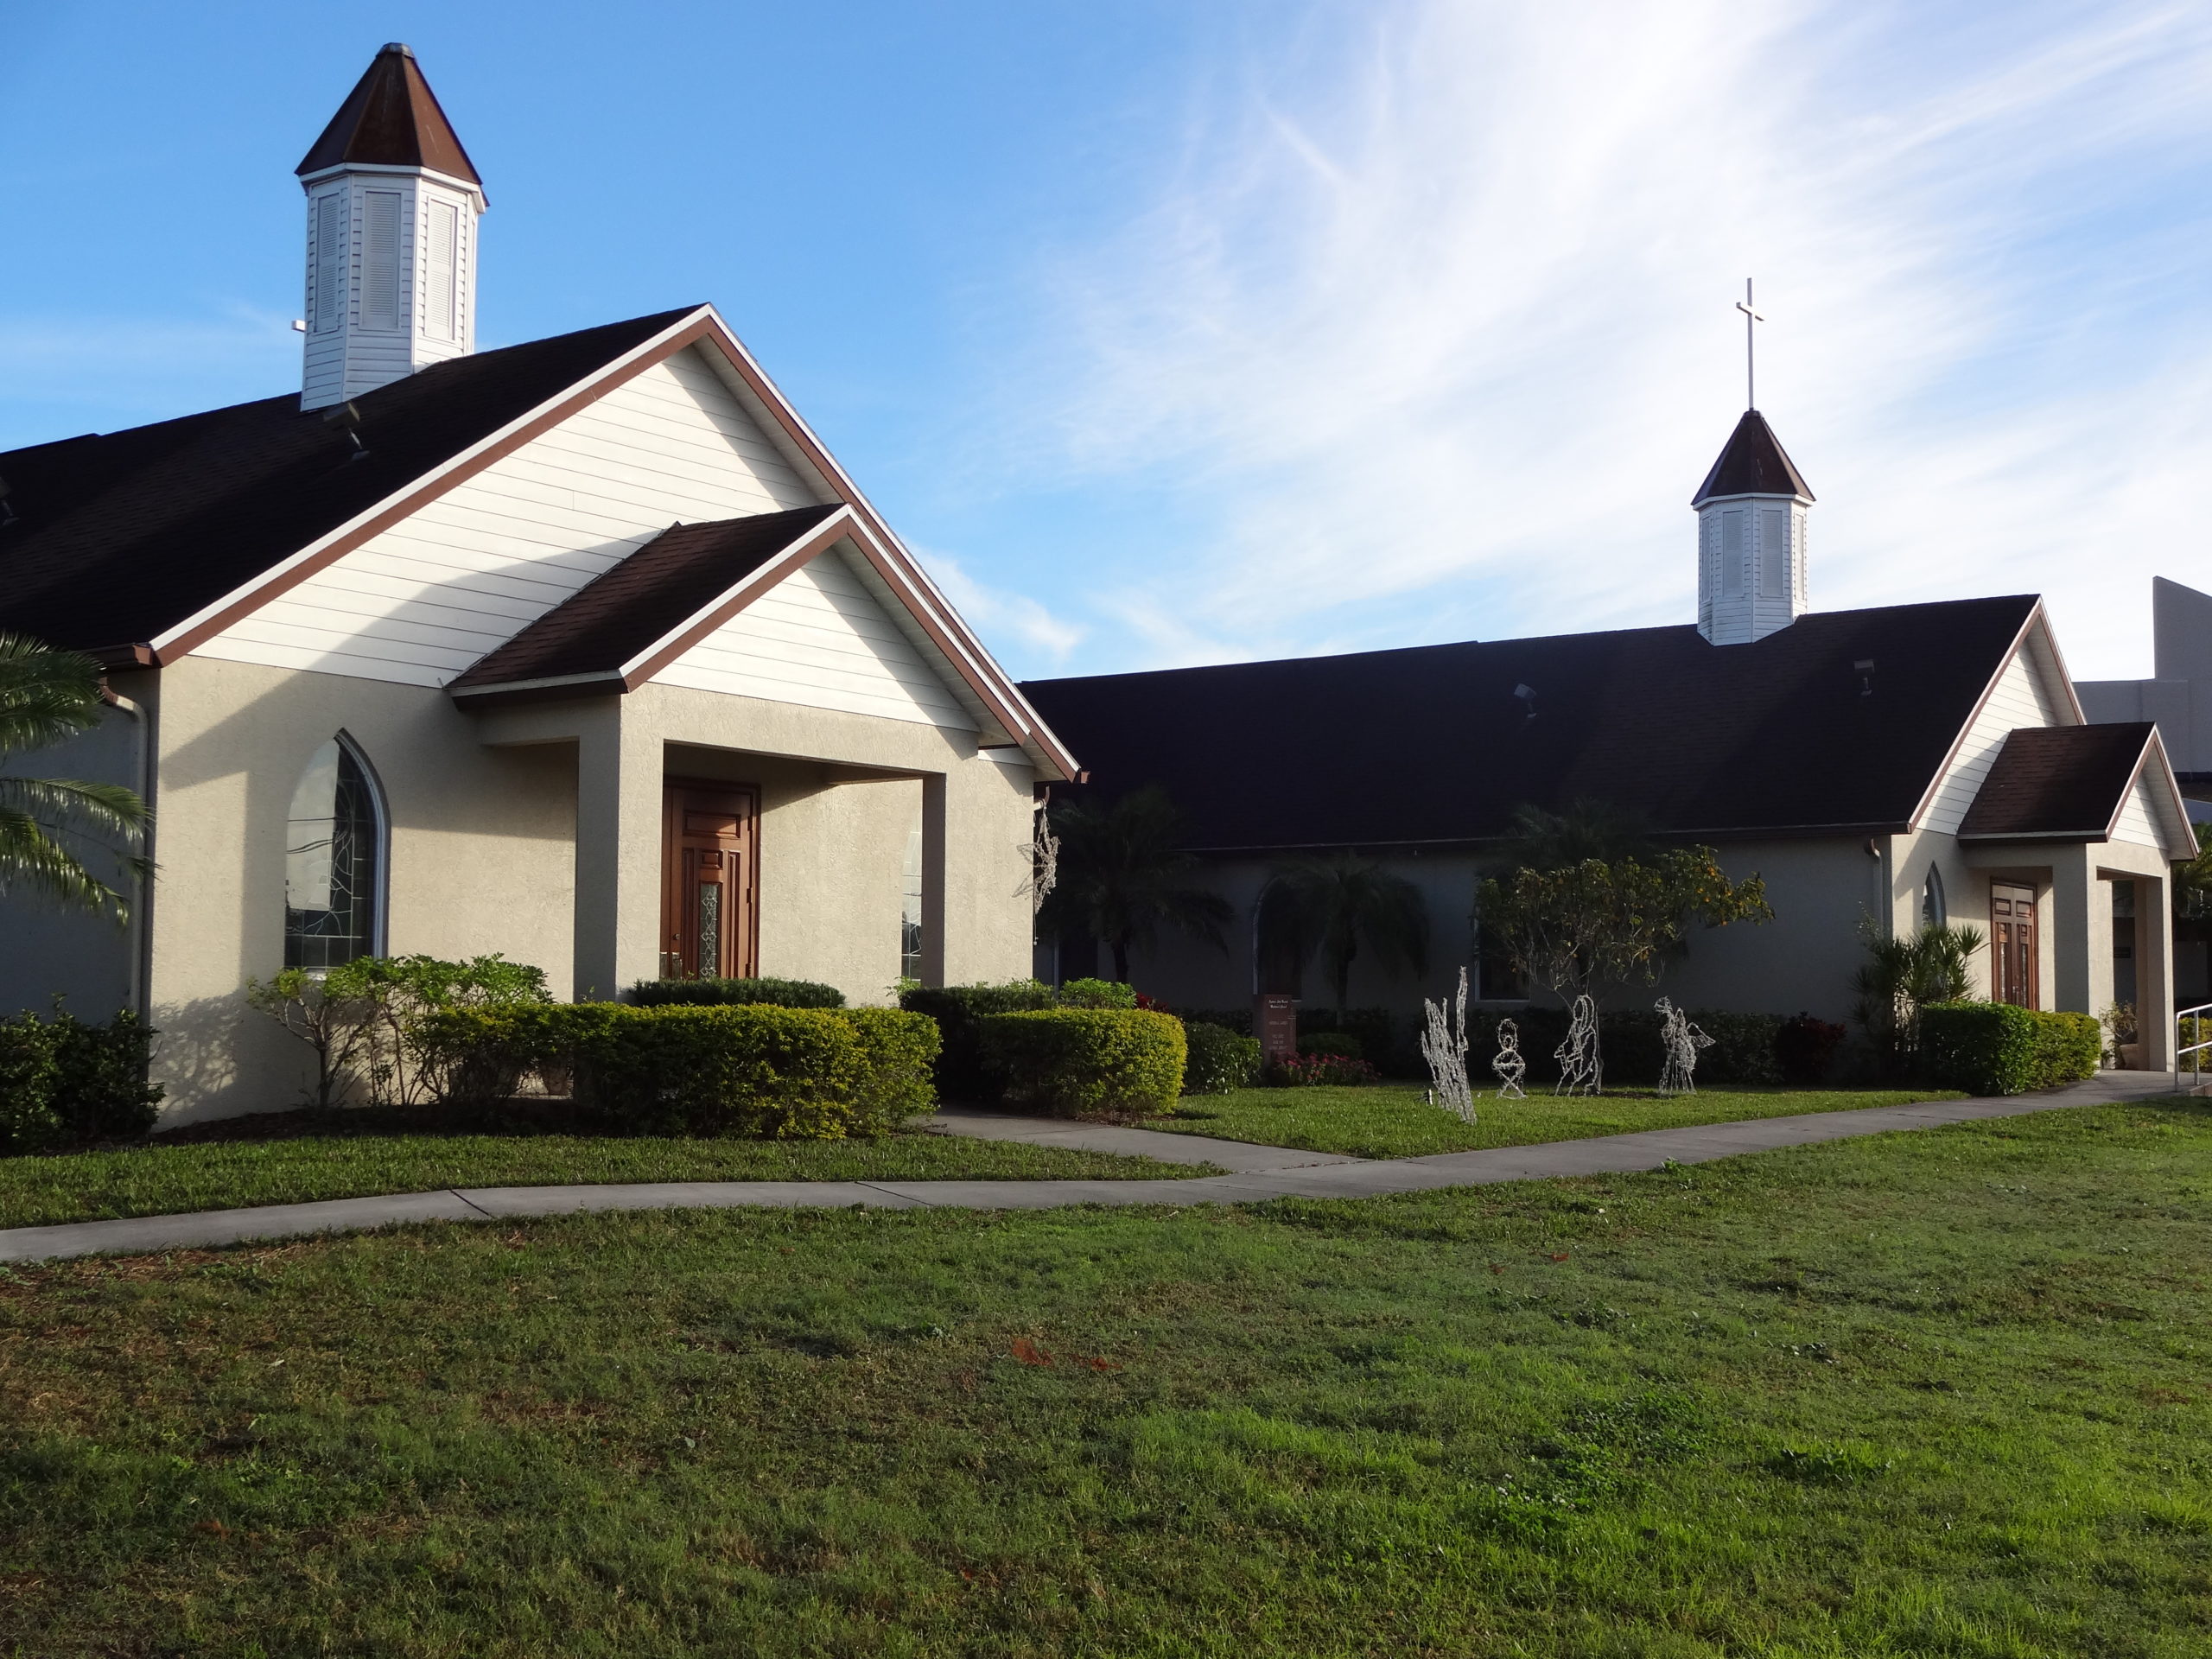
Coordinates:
333	861
1933	912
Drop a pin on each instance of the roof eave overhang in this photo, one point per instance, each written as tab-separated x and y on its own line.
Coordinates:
552	688
1798	496
398	169
889	556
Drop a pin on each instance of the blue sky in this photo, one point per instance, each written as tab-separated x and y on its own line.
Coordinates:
1175	333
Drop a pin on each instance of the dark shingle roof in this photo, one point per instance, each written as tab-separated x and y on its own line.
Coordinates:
1433	744
611	619
1752	463
119	537
2060	782
392	118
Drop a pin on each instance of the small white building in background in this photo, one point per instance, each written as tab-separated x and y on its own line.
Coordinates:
586	651
1900	765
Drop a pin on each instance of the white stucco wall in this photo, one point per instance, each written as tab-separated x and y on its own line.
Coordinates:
485	854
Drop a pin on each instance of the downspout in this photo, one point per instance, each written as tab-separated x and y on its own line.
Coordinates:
1884	903
142	917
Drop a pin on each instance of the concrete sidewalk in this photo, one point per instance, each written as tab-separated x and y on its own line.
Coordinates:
1310	1175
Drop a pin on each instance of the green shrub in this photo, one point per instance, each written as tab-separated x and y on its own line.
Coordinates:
1985	1048
1107	1062
62	1079
962	1074
365	1019
2067	1047
1382	1039
1217	1059
734	993
753	1070
1805	1048
1097	993
1338	1045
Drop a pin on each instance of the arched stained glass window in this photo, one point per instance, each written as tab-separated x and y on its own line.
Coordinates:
1933	911
333	861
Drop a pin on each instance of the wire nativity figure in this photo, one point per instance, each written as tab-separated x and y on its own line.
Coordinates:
1445	1047
1581	1068
1681	1040
1509	1063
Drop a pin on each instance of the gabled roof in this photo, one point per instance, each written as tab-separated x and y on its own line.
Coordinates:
1438	743
391	118
2065	783
609	628
139	546
1752	462
120	539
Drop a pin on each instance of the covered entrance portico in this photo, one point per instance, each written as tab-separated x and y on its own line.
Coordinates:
2071	936
733	835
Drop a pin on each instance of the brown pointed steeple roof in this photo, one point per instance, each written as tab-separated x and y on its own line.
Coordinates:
391	119
1753	463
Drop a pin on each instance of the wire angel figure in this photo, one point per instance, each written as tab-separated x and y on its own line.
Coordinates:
1044	854
1509	1064
1445	1047
1581	1068
1681	1040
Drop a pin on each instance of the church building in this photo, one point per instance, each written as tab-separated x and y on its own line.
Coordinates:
586	651
1898	765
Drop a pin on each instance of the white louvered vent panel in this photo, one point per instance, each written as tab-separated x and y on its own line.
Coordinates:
438	269
380	260
329	262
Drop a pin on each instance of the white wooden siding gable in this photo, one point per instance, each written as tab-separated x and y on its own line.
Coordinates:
469	569
2021	696
821	639
2139	816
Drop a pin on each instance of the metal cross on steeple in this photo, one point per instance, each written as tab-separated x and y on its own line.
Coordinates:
1750	320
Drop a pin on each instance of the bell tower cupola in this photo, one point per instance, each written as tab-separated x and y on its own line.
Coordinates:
1751	538
393	205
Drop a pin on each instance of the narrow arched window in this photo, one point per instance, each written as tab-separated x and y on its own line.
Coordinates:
333	861
1932	911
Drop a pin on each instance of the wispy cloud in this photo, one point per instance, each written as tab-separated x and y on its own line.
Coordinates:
1428	331
994	609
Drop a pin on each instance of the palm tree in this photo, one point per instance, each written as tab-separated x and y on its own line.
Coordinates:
1123	876
47	697
1344	901
1583	830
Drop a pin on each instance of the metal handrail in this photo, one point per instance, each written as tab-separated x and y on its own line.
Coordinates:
2195	1049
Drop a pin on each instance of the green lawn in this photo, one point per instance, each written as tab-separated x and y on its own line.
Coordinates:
159	1179
1943	1393
1392	1120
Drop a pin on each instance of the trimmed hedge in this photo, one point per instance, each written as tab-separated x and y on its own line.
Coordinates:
63	1080
1216	1059
959	1010
760	1071
734	993
1338	1045
1994	1048
1106	1062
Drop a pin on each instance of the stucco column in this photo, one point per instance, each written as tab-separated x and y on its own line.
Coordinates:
2154	970
2081	914
934	839
619	792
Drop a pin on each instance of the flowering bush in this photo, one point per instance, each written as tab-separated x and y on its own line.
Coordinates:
1309	1071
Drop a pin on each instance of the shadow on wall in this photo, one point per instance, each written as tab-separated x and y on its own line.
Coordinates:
217	1057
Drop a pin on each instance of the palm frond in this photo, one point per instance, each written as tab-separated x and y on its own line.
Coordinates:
103	809
46	695
32	859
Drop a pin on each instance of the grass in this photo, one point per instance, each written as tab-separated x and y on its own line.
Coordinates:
1392	1120
154	1179
1942	1393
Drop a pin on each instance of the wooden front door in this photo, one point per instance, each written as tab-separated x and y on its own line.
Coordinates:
2014	968
709	882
